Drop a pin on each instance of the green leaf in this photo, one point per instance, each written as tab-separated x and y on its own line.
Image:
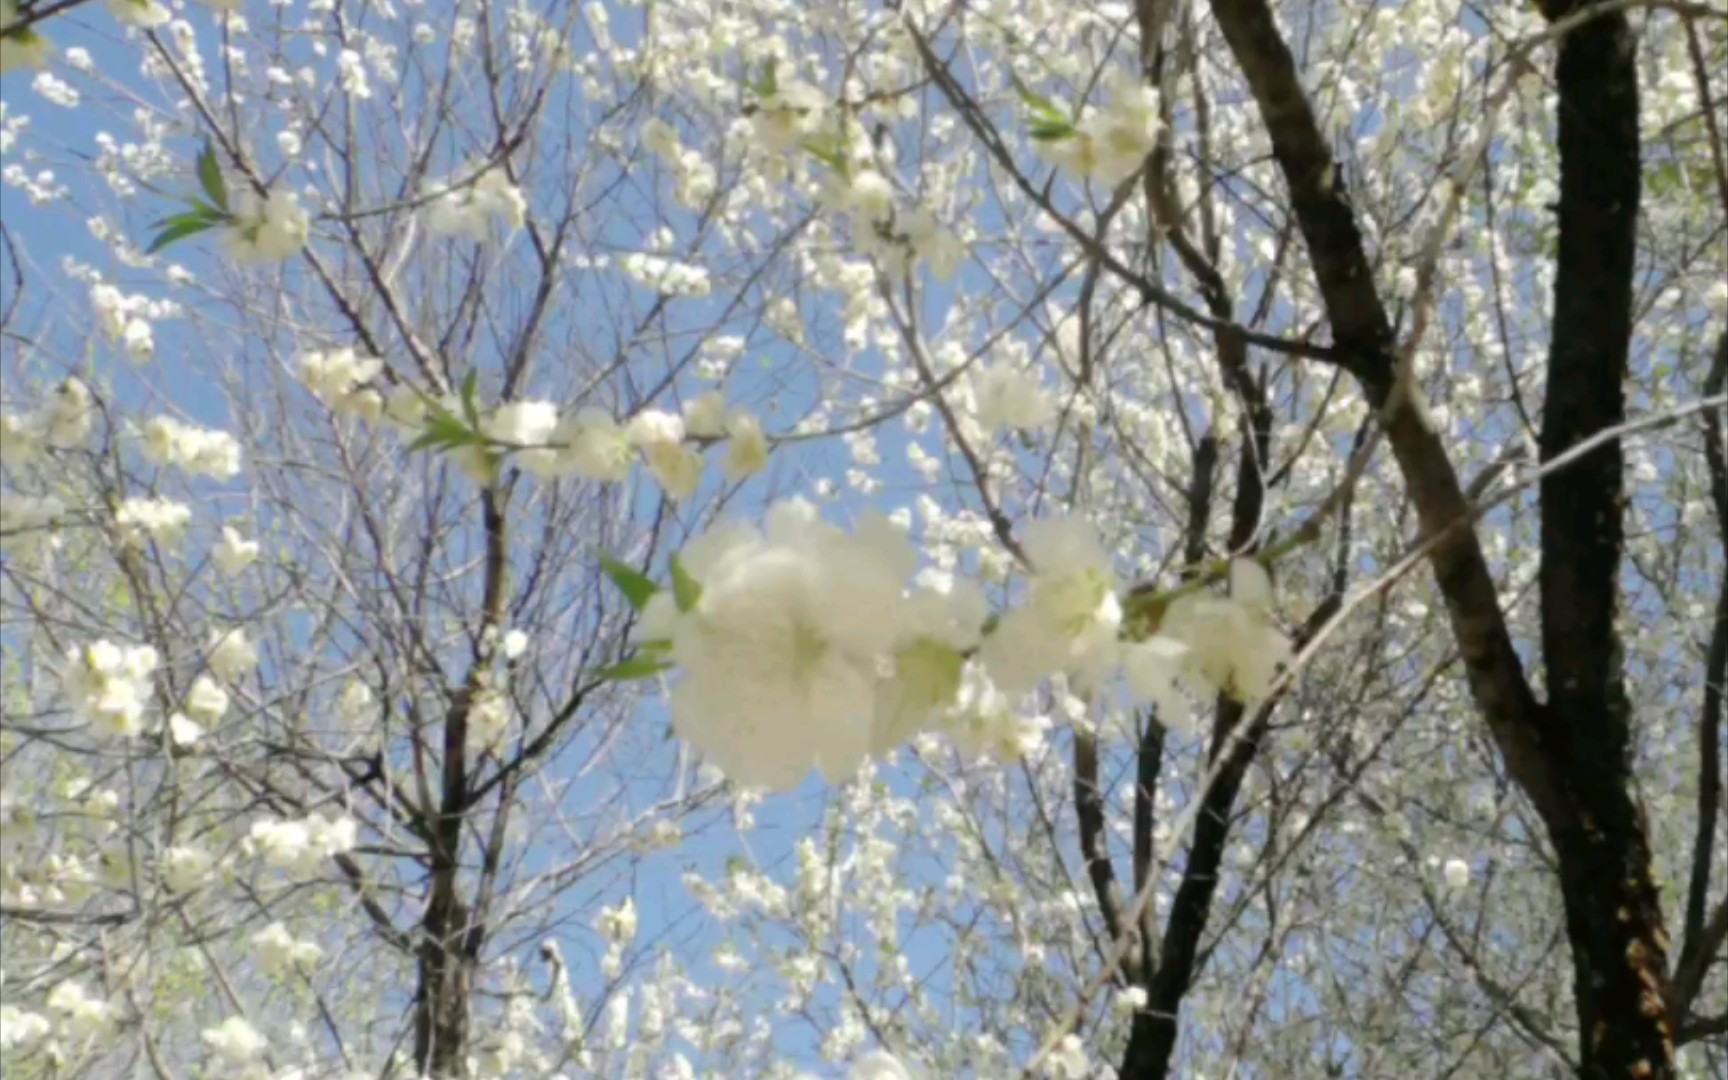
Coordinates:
179	228
831	153
1037	102
770	84
210	177
637	589
686	590
469	409
1050	131
637	667
444	432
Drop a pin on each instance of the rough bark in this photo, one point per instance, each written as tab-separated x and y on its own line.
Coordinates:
1613	913
451	934
1568	755
1152	1037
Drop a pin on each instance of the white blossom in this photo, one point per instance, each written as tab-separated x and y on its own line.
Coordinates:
200	451
705	415
301	845
780	653
81	1015
1111	143
339	378
205	701
660	437
1071	615
235	1041
532	424
595	447
1012	398
21	1030
183	731
467	209
618	924
1456	873
233	553
746	446
267	228
278	950
785	118
230	654
490	716
185	867
109	685
1232	646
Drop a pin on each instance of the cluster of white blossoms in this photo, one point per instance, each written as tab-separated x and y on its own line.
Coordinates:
1204	645
660	437
20	1029
894	236
126	319
1009	397
109	685
1110	144
278	950
1222	644
790	113
300	845
468	209
802	647
1071	617
183	868
142	518
80	1015
61	422
235	1041
200	451
668	276
266	228
25	518
339	378
691	170
590	444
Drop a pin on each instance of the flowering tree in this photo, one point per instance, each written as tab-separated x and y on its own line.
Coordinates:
1173	539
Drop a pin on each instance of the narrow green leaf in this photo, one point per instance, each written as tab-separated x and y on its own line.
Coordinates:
178	229
1045	131
1037	102
637	667
686	590
445	432
210	177
827	155
770	79
637	589
469	409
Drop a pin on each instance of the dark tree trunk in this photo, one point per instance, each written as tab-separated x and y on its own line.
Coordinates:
1570	755
1613	915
